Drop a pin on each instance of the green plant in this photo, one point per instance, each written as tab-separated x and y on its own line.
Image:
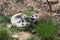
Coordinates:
32	38
4	18
29	12
1	8
45	29
19	1
4	35
16	29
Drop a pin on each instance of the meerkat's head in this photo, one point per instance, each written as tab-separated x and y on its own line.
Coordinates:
34	17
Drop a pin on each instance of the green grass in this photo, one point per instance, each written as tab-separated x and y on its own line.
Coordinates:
4	35
4	18
29	12
1	8
32	38
16	29
44	29
19	1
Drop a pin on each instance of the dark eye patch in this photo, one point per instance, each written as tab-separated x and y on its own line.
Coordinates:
23	21
22	24
32	16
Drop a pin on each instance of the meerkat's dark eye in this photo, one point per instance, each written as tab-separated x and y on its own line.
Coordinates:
22	20
22	24
32	16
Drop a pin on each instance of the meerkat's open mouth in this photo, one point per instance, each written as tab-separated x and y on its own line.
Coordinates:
32	19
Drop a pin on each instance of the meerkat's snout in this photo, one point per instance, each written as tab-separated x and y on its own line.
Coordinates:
32	18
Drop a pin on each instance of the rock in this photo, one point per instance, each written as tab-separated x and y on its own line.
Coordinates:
55	7
1	3
8	26
22	35
44	1
51	1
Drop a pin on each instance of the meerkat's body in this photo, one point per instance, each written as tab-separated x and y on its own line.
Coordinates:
41	16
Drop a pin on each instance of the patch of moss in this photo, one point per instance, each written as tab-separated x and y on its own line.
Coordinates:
1	8
29	12
4	35
19	1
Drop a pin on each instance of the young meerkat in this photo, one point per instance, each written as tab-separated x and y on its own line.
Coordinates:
18	20
40	16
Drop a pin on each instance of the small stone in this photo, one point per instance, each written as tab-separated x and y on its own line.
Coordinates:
14	36
55	7
9	26
51	1
22	35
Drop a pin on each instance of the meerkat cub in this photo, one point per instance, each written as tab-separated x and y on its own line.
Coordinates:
40	16
18	20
